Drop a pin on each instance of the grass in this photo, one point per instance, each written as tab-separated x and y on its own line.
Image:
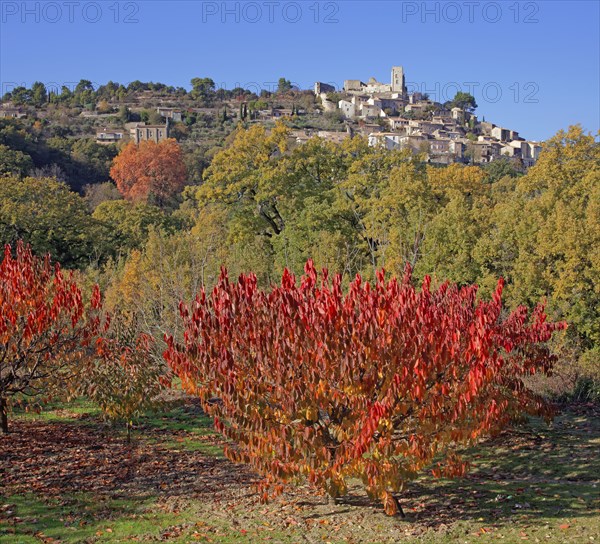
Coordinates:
84	519
191	430
59	411
536	483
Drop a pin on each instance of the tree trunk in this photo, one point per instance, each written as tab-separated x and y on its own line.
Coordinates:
400	511
3	415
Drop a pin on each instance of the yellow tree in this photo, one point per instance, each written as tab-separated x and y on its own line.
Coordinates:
390	198
546	234
239	176
461	216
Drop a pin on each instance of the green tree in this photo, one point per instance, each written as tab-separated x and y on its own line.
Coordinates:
52	219
125	378
203	88
559	248
389	197
124	114
499	168
544	236
129	223
318	222
284	85
39	95
14	162
19	96
239	176
464	101
92	160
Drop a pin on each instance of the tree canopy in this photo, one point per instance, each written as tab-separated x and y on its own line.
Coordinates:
150	172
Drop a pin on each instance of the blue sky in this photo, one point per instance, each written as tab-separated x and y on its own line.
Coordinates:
532	66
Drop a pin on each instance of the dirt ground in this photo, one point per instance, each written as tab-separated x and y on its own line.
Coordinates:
529	483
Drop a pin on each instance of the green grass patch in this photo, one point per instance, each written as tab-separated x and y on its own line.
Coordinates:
79	409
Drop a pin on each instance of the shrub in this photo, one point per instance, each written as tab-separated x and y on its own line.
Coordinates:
309	381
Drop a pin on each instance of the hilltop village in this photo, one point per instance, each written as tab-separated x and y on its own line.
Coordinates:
202	119
391	117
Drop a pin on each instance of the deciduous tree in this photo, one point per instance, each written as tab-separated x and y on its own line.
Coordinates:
129	223
149	172
241	176
545	234
374	383
46	214
124	378
44	326
14	162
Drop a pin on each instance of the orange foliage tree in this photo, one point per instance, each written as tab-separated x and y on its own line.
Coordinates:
309	381
44	327
149	171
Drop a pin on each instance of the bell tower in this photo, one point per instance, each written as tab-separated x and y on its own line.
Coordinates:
398	82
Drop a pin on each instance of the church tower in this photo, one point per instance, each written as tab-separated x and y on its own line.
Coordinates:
398	83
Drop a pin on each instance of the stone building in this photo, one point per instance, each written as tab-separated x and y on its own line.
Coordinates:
347	108
353	86
12	113
170	113
321	88
398	84
109	136
151	133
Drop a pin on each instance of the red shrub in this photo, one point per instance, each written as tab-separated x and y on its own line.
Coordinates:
373	383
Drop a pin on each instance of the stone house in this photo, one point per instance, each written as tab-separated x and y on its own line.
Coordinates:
388	140
443	120
486	151
12	113
277	113
501	134
369	110
439	146
455	134
394	140
170	113
109	136
347	108
510	150
529	151
458	115
394	105
332	136
368	128
414	142
300	136
398	123
151	133
457	148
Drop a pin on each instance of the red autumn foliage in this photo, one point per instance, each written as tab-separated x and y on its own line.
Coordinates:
50	341
309	381
149	170
43	325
